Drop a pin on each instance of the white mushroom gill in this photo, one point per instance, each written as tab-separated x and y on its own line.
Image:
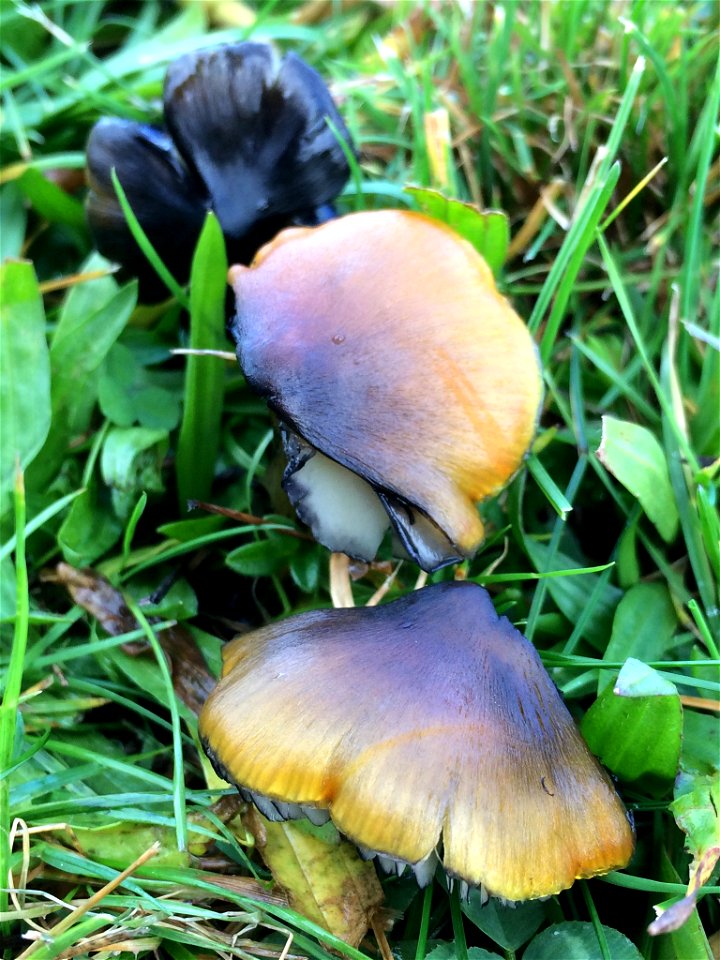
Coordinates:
342	510
278	811
347	515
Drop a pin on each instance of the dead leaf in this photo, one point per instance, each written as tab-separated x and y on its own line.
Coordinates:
191	680
324	876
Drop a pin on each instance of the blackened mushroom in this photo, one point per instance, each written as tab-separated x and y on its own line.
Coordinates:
254	128
170	203
248	137
408	386
427	728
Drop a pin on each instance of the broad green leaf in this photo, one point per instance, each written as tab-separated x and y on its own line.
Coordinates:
695	808
131	462
263	557
179	602
644	626
127	395
487	230
24	373
205	376
637	737
211	649
305	567
324	876
90	529
91	320
26	37
84	300
578	939
635	457
76	353
509	926
626	555
186	530
701	742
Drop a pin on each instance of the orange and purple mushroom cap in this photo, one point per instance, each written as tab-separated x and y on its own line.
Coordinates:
408	387
426	728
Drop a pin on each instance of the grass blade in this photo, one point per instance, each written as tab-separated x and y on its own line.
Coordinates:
205	376
147	248
13	685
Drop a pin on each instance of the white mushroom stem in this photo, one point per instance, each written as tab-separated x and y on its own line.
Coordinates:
340	587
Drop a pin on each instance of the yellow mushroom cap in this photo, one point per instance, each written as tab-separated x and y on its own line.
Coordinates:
425	726
381	341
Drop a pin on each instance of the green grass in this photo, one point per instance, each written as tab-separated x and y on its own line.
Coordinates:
112	433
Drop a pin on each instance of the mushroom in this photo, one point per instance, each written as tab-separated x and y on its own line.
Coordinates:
169	204
407	386
426	729
248	137
253	127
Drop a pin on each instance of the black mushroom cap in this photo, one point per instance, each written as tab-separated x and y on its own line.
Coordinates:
254	128
247	138
169	203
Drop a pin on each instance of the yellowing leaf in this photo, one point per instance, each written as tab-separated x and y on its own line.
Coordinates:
323	875
695	808
119	844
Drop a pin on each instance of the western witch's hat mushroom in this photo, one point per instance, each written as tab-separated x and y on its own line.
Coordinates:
408	387
425	728
247	137
252	126
168	202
